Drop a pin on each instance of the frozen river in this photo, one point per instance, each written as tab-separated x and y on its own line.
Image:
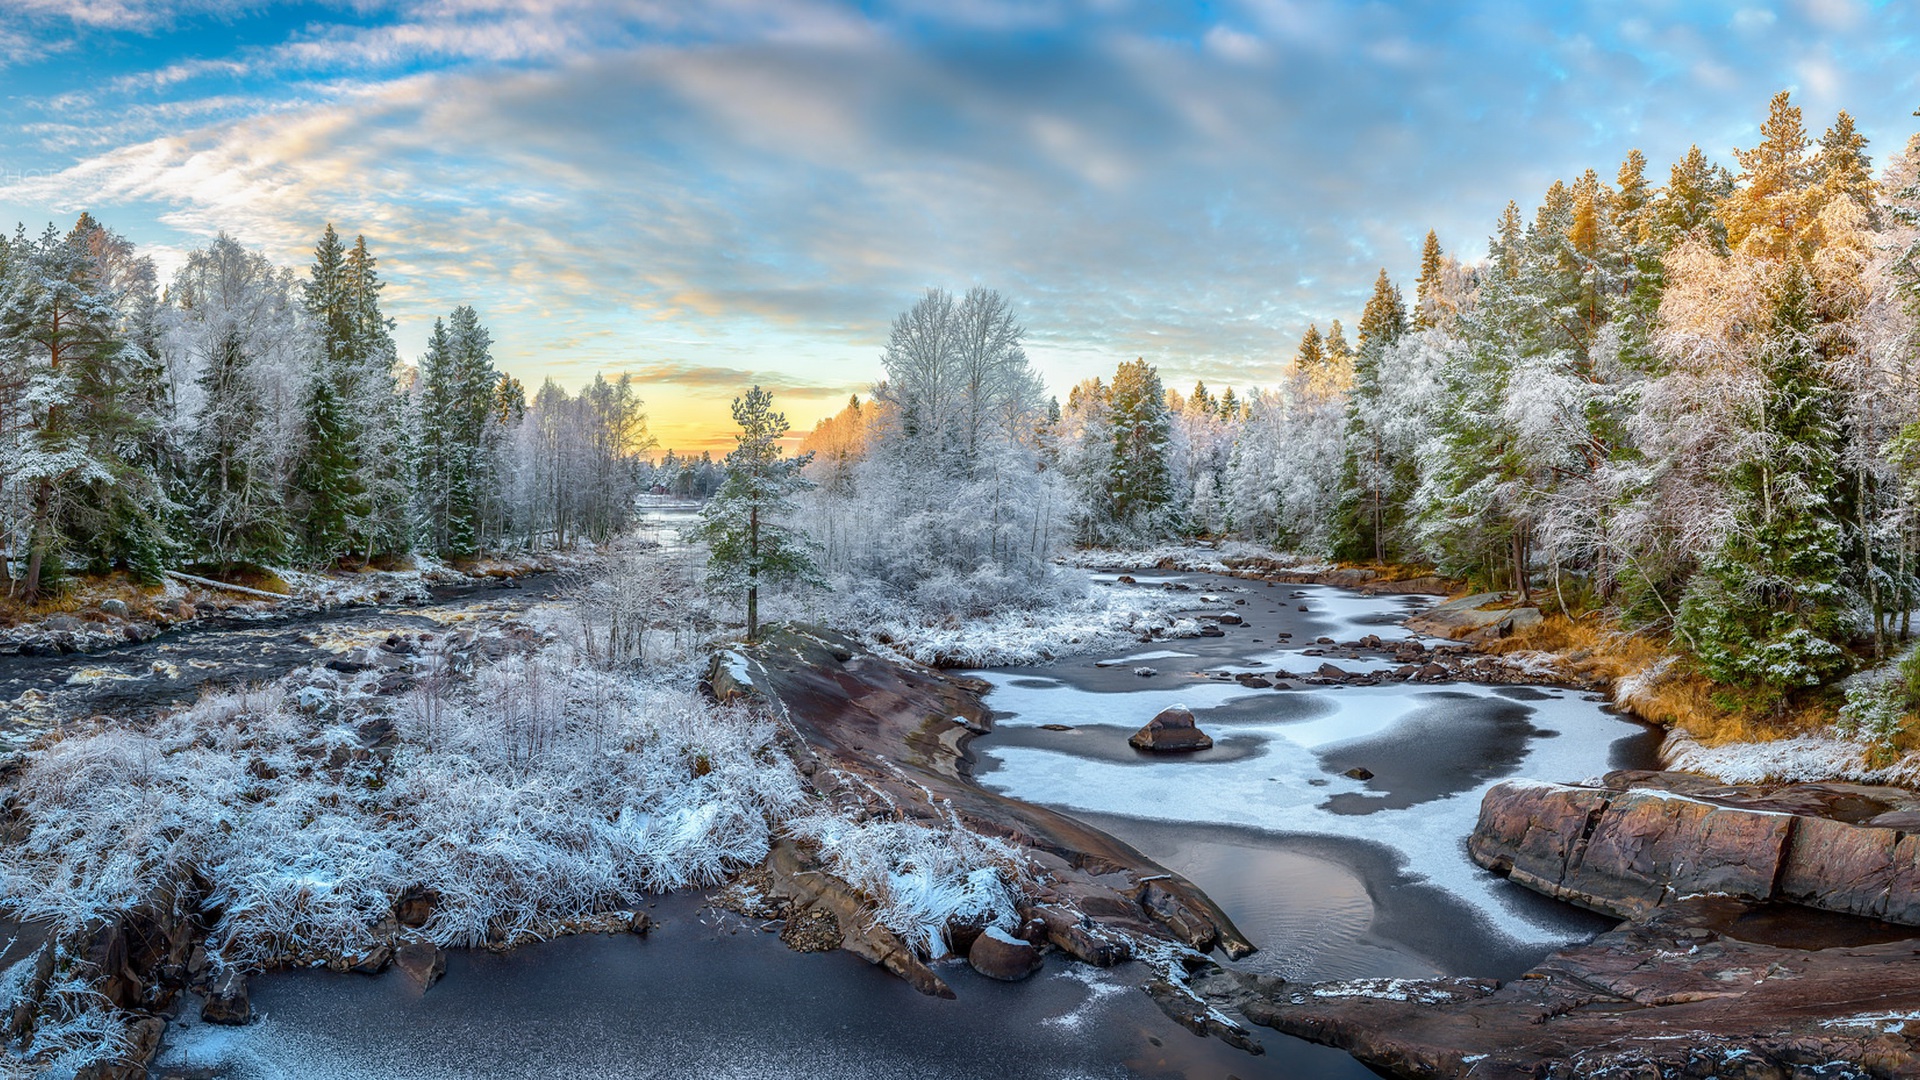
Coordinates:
1332	877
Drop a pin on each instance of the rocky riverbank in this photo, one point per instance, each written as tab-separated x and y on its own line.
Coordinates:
1770	934
890	740
98	619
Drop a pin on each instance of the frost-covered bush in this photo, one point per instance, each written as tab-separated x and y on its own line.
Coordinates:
74	1025
1881	702
544	791
921	877
1074	619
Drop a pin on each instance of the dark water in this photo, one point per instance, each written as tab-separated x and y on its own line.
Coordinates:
1332	874
171	669
710	996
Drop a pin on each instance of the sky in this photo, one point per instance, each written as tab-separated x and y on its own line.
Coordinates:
714	195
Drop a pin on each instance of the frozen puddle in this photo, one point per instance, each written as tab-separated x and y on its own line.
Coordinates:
1278	764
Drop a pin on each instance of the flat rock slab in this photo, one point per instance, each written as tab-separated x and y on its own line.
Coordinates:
1646	840
1672	996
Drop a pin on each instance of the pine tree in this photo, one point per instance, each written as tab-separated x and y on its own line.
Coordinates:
1372	483
742	523
1142	484
1339	353
1312	354
1772	206
1769	610
60	327
1842	169
1426	290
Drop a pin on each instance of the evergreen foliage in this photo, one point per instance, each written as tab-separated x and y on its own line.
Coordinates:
744	524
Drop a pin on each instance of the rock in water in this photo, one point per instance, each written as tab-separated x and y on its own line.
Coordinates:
227	1001
1173	731
999	955
424	961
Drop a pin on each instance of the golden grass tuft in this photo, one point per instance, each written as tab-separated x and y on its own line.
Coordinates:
1652	681
1387	573
81	595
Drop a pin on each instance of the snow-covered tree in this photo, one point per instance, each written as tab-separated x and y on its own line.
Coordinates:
744	524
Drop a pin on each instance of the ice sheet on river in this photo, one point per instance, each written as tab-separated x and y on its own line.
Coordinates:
1434	750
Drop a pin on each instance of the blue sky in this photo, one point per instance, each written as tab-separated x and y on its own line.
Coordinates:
710	195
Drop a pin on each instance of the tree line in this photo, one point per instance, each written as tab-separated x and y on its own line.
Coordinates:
1691	404
242	414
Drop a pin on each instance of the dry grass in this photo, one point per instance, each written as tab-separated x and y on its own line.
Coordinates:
1661	686
1386	573
81	595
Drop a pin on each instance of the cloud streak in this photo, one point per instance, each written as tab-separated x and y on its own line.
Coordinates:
699	192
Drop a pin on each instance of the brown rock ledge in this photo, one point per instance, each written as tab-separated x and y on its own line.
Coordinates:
876	731
1646	839
1679	995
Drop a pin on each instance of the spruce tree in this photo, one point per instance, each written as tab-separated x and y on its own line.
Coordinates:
1142	482
749	546
60	326
329	498
1426	290
1769	609
1373	485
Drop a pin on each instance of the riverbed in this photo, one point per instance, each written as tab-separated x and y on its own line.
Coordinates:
1331	876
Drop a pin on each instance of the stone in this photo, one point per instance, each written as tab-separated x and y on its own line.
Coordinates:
423	961
1676	996
415	906
116	608
1358	773
1328	671
373	961
998	954
65	624
1172	731
227	1001
1229	619
1171	910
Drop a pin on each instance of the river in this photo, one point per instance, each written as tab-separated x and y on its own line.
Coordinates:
1332	877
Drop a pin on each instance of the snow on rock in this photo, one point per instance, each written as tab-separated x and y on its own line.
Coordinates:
924	879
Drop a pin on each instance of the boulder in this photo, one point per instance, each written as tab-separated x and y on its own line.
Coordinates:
373	961
997	954
116	608
415	906
423	961
1172	731
1168	908
227	1001
1678	996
